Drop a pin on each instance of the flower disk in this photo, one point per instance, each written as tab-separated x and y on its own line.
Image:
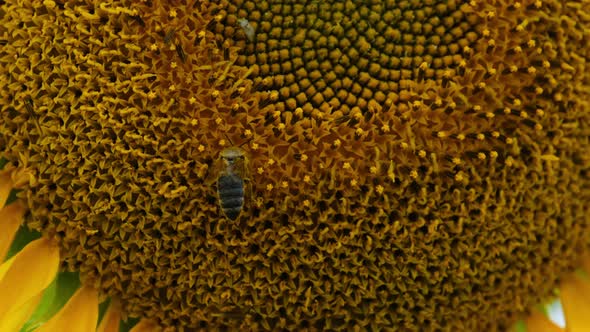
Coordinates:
413	164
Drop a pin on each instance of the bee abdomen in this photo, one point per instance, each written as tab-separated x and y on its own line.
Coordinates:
230	189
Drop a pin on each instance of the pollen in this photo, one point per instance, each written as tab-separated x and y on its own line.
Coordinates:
379	189
531	43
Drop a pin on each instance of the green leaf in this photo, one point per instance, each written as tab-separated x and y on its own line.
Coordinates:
102	309
23	236
67	284
54	298
42	313
520	326
12	196
127	325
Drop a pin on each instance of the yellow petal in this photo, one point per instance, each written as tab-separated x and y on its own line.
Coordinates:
16	317
10	219
5	266
29	273
538	322
146	325
5	187
111	319
79	314
575	300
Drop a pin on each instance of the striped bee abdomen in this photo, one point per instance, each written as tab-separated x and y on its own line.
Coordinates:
230	189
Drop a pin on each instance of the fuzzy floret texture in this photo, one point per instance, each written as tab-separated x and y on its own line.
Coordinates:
413	164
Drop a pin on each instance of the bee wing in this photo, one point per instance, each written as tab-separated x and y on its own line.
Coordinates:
243	170
213	172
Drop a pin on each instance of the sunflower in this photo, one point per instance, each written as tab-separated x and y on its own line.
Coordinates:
418	165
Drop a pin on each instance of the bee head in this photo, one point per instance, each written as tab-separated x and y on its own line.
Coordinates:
230	155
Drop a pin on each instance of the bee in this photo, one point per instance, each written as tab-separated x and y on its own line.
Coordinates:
231	181
169	36
30	107
249	30
181	53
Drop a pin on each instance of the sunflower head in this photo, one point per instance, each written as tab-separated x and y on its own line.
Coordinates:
419	164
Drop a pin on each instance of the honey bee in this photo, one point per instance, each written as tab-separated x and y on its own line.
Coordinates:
248	29
232	180
169	36
181	53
